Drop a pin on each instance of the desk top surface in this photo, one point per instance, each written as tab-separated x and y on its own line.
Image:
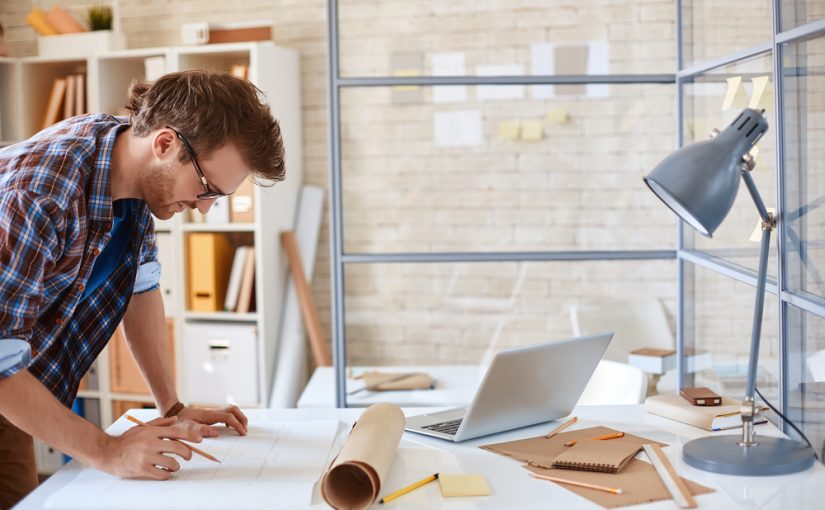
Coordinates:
512	487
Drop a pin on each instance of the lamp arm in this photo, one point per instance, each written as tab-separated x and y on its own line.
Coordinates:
768	224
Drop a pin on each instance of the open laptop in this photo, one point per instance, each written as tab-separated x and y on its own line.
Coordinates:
522	387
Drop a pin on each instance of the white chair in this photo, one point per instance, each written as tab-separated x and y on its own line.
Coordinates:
615	383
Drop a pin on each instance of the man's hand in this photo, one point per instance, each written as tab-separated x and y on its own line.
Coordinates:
199	420
143	452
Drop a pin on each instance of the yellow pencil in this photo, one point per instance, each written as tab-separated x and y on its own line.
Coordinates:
614	435
194	450
612	490
561	427
410	488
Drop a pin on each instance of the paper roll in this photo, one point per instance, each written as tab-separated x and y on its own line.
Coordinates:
354	479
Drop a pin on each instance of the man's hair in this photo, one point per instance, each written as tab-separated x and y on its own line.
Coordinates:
211	109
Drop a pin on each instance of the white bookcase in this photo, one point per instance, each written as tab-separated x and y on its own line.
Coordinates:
25	85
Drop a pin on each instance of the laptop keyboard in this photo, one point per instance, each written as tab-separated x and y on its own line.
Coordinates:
447	427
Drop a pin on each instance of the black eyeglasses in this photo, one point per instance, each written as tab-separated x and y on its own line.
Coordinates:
208	194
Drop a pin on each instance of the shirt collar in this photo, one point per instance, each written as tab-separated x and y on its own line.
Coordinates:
99	200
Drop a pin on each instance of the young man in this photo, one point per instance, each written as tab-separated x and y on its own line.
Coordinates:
78	255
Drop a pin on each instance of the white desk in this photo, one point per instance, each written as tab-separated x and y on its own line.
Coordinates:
513	488
455	386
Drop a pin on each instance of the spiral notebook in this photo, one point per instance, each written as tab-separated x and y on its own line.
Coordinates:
594	455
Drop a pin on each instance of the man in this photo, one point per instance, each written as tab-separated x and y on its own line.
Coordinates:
78	255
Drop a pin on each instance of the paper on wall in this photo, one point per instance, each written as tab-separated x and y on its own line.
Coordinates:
459	128
449	64
500	92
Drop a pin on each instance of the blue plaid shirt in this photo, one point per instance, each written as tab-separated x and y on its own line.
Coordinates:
55	219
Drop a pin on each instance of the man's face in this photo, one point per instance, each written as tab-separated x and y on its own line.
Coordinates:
172	186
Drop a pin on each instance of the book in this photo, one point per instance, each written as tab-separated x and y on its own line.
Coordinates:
247	282
56	98
608	456
233	288
68	101
63	22
37	20
80	94
721	417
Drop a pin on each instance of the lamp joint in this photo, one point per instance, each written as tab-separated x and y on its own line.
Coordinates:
769	225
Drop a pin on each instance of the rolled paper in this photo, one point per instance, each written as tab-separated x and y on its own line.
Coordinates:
355	477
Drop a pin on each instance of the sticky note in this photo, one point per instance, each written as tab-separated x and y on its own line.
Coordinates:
463	485
531	130
756	235
730	94
509	130
557	116
759	85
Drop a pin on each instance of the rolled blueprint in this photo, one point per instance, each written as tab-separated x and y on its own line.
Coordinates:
354	479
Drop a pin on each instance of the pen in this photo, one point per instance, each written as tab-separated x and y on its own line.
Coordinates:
613	435
612	490
409	488
195	450
561	427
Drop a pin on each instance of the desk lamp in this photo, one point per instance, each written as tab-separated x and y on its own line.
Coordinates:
699	183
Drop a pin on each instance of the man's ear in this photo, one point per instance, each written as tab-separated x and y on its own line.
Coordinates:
163	144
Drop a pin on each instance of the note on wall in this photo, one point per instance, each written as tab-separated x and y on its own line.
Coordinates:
449	64
459	128
406	65
759	85
509	130
500	92
552	59
531	130
730	93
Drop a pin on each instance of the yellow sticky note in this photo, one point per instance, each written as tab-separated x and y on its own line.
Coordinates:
756	235
509	130
558	116
463	485
531	130
730	94
759	85
406	73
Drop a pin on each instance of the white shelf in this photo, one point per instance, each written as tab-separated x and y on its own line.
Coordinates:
221	316
218	227
88	394
133	397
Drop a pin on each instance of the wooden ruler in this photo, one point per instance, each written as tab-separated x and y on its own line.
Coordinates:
673	482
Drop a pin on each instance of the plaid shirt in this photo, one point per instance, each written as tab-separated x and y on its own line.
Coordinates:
55	219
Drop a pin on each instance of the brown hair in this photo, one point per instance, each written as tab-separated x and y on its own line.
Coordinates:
211	109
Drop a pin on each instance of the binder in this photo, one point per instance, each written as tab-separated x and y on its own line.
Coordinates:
208	258
233	289
68	102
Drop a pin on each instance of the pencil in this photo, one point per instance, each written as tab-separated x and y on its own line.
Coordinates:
409	488
612	490
613	435
561	427
194	450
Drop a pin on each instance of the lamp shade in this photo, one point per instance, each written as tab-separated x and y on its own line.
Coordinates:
699	182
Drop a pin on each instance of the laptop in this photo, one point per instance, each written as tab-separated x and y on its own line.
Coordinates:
522	387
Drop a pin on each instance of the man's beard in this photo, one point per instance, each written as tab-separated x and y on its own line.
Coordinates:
157	185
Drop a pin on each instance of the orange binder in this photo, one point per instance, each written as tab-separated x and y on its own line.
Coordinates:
209	257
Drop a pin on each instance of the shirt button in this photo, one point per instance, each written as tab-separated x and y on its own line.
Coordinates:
95	252
81	287
58	321
108	225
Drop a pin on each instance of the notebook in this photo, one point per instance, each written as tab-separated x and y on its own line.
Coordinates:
608	456
722	417
386	381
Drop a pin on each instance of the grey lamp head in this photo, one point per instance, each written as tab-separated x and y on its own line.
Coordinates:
699	182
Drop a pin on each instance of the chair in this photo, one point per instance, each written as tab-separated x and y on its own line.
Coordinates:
615	383
635	322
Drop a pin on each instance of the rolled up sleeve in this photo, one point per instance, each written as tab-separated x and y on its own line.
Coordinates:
148	276
15	355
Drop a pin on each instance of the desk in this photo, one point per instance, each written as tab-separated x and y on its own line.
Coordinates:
513	488
455	386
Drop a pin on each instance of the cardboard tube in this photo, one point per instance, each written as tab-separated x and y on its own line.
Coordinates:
354	479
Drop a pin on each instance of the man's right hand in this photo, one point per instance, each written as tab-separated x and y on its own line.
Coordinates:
142	452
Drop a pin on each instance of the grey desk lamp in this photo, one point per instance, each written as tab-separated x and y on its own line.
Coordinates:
699	183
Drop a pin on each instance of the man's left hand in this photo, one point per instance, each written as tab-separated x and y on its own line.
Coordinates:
201	419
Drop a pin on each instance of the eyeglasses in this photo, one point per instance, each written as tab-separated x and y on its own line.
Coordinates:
208	194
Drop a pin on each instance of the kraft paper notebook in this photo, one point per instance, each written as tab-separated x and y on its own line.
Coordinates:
357	474
543	452
638	480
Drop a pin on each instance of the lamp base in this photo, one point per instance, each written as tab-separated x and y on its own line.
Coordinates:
772	456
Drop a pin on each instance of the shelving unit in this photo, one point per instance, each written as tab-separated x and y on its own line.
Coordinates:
25	85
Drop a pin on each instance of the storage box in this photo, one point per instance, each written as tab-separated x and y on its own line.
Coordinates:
80	44
125	375
221	363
